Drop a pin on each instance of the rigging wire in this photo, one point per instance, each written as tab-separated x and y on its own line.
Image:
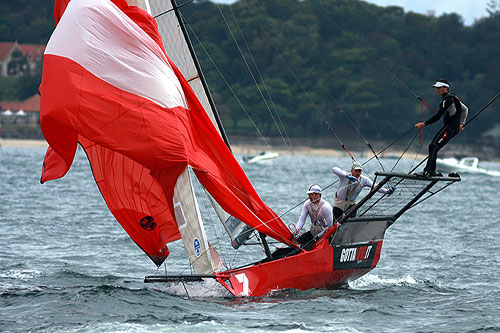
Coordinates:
256	69
342	110
227	84
306	92
279	126
406	149
390	145
286	140
482	109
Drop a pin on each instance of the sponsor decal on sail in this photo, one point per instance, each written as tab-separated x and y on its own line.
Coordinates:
147	223
197	247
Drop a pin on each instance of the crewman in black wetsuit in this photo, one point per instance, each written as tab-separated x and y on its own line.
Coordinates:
450	107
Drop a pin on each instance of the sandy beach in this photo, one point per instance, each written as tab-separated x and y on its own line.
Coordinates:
237	148
22	143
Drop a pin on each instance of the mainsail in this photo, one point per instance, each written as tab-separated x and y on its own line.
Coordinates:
179	49
186	208
108	84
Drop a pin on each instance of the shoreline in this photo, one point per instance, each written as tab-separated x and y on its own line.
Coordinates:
237	148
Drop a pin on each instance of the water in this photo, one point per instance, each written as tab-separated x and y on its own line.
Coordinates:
66	265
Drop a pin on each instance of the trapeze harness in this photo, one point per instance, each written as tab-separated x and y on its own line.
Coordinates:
317	224
345	203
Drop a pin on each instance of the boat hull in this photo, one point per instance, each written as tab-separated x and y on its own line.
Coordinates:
325	266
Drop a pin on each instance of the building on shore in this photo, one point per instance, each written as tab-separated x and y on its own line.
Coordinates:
20	119
19	59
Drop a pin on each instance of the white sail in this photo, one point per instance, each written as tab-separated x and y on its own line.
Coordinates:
189	221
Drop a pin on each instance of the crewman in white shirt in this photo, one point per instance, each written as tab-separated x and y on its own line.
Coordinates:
320	212
350	185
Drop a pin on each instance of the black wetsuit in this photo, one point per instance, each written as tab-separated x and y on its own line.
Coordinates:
451	109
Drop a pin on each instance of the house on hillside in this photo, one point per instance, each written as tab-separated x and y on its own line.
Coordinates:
17	59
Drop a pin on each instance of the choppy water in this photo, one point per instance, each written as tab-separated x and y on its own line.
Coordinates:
66	265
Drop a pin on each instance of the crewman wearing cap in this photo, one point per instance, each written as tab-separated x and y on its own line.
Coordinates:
350	185
320	212
453	115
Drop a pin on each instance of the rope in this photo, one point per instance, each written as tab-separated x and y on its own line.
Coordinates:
280	126
330	128
399	159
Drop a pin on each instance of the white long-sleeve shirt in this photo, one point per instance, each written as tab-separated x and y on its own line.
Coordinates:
325	214
348	189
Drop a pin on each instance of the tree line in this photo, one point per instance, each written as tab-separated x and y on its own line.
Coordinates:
334	63
327	64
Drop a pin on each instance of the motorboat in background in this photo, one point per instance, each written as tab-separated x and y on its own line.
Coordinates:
260	157
463	165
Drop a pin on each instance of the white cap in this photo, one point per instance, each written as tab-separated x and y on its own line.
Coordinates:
356	166
314	189
440	84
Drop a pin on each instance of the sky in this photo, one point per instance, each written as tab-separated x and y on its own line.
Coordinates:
470	10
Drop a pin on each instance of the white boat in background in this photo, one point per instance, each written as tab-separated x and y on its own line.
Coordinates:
463	165
263	156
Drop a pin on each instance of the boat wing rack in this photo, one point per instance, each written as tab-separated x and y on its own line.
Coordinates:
375	212
410	191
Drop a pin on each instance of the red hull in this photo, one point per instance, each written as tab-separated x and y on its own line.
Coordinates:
322	267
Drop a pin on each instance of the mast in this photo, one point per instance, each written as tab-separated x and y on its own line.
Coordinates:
200	72
186	209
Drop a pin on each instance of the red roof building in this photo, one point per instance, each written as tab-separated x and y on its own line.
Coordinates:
17	58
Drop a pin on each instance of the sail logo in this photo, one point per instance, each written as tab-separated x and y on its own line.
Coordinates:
197	247
354	257
148	223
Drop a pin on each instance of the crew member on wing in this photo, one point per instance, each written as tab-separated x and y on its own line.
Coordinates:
350	185
320	212
454	114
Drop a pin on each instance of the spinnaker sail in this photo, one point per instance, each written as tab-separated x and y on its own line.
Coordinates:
108	84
